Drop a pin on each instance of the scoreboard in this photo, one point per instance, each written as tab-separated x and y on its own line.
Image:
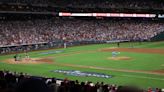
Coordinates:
107	14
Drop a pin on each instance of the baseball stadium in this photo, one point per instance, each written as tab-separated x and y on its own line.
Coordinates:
83	46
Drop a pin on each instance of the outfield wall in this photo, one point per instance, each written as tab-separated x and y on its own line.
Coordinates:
44	45
159	37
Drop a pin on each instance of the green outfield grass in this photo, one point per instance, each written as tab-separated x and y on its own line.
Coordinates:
90	56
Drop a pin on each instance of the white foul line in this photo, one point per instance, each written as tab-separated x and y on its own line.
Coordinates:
143	77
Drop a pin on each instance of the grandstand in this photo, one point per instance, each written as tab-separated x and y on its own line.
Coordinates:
34	32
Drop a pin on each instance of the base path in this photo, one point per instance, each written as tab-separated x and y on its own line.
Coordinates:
124	58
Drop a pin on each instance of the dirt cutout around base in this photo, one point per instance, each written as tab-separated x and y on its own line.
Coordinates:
159	71
29	61
119	58
136	50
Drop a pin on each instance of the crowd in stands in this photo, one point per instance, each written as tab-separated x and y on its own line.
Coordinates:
20	82
55	6
144	4
50	30
46	6
24	8
25	1
129	4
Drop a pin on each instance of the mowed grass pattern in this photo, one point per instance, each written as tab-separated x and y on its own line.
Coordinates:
90	55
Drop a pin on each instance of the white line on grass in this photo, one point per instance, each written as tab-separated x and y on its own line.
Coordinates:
143	77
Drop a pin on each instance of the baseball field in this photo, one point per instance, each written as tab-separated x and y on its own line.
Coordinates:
138	64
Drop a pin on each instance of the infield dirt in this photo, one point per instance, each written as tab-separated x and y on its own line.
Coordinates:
29	61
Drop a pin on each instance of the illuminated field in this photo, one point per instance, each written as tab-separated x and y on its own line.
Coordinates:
142	65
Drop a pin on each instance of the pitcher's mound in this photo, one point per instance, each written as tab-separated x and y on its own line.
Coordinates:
120	58
29	61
